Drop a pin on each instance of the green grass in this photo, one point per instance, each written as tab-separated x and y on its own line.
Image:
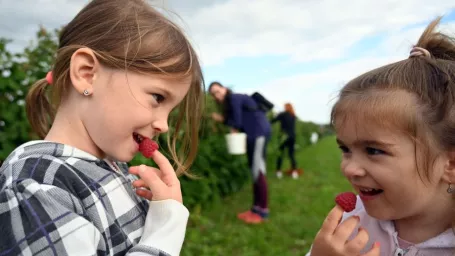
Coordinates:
298	208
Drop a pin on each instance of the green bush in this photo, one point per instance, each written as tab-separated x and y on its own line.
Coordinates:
17	72
219	174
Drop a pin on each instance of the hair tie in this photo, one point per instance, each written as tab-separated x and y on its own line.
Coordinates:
419	51
49	77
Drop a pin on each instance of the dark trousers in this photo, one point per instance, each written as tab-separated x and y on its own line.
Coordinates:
256	152
288	144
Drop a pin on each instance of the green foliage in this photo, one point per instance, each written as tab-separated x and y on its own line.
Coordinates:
219	174
17	72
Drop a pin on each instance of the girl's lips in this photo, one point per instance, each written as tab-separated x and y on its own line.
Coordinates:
136	144
367	197
370	194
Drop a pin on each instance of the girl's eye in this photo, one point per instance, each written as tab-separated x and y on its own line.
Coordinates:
158	97
374	151
344	149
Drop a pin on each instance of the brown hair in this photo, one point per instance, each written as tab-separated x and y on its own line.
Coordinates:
213	84
289	108
128	35
381	96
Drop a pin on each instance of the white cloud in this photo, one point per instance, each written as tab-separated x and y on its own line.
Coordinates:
20	22
302	30
402	41
313	94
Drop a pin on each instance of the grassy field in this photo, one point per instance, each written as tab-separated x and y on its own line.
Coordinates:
298	208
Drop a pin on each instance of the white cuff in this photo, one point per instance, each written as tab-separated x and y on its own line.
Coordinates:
165	226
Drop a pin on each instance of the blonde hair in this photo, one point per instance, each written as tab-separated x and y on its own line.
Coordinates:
129	35
428	117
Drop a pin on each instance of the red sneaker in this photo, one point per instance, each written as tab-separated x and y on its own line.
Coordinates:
253	219
295	171
244	215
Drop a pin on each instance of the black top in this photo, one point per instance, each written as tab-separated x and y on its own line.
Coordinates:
287	122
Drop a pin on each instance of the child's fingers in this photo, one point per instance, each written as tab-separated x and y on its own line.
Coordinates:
135	171
331	221
345	229
145	193
375	251
164	165
358	242
139	184
150	178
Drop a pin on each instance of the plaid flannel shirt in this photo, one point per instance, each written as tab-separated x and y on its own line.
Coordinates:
58	200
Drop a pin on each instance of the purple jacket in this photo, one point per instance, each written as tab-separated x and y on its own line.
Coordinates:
242	116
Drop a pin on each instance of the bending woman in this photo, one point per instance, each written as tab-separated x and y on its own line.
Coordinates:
242	114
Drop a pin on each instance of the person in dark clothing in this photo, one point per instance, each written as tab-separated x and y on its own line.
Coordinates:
241	113
287	120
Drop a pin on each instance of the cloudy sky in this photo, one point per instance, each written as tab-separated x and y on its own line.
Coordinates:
300	51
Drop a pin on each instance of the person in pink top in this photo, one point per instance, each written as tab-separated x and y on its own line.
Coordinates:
395	126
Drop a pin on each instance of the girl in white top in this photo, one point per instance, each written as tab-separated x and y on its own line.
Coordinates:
396	128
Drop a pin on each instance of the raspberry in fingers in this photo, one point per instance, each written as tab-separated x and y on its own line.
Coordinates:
347	201
147	147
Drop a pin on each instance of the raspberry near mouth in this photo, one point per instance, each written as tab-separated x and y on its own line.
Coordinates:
147	147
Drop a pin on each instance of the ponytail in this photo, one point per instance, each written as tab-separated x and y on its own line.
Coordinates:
40	112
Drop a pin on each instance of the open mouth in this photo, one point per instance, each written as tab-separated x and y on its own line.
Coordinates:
138	138
370	191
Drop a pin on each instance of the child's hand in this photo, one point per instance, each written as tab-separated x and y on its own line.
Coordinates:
332	238
163	182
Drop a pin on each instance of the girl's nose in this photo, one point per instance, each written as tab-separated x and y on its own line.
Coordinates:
352	168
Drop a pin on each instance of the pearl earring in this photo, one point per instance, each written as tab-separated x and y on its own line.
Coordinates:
86	93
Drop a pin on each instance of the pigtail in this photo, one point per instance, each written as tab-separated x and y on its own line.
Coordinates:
440	46
40	112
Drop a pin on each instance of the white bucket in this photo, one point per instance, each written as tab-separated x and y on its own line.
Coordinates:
314	138
236	143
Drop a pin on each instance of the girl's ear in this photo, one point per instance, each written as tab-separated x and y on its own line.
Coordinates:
449	168
83	68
